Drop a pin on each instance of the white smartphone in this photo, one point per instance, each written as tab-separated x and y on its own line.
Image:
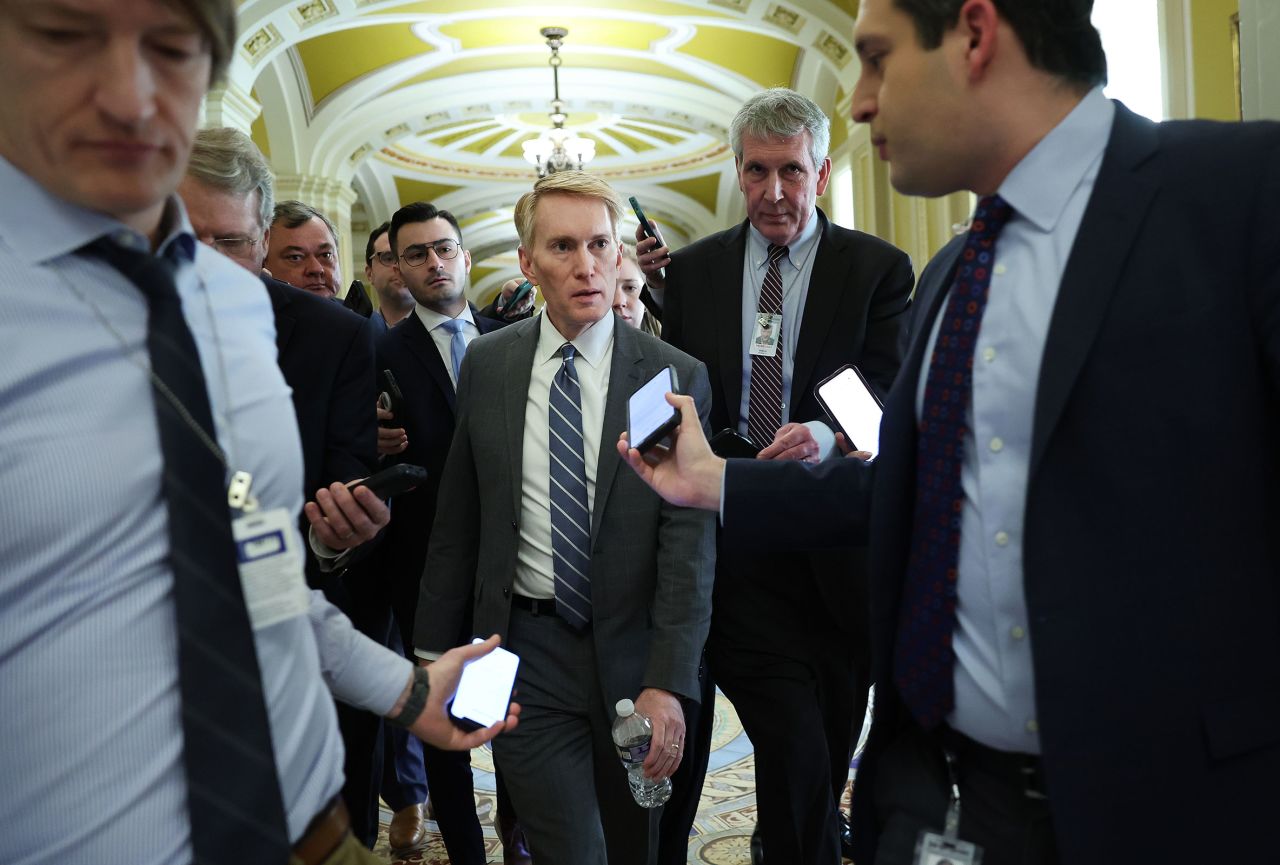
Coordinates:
850	402
484	692
650	418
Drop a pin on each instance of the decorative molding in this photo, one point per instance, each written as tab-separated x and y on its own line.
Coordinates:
359	153
261	43
788	19
398	130
735	5
228	105
833	49
313	12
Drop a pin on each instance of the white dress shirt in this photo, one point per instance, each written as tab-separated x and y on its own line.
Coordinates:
1048	190
434	323
535	576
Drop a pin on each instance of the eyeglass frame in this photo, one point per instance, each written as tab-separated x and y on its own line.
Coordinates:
250	243
434	247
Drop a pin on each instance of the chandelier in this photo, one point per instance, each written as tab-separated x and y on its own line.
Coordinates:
557	148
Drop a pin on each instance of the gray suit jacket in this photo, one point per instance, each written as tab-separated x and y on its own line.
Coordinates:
652	564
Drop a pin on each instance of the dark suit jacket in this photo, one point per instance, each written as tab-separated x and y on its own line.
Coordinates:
409	352
326	355
1151	562
855	312
651	563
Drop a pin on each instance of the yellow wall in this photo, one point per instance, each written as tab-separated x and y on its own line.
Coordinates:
1213	70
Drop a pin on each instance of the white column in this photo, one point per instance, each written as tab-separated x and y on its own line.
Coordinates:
333	198
1260	59
229	105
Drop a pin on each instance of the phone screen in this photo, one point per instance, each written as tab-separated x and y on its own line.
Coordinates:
484	692
854	407
648	411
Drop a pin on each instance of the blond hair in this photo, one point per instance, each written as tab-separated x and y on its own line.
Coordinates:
577	183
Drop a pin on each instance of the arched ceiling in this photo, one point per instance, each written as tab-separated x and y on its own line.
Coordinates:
431	99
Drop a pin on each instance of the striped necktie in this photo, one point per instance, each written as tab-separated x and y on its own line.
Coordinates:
764	409
570	518
923	657
234	801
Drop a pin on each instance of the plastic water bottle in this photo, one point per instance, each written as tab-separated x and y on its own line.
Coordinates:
632	733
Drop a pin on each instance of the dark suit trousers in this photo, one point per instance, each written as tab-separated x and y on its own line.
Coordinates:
799	715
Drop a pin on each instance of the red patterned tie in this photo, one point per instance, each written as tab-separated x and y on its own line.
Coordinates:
764	410
923	657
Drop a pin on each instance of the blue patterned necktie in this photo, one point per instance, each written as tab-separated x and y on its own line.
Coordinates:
457	344
923	656
233	797
570	518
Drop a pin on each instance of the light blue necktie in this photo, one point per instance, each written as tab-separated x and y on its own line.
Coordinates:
457	344
570	519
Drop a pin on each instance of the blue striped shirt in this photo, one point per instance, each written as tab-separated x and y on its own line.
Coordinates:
91	754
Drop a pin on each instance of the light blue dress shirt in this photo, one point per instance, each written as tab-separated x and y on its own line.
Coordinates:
1048	189
92	750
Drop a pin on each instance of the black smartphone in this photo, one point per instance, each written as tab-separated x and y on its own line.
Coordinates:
393	481
850	402
649	230
485	689
650	418
729	444
391	399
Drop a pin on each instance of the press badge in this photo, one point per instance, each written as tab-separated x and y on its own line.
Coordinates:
270	567
767	333
935	849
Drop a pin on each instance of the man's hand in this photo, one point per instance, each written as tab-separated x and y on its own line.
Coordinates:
664	711
653	257
433	725
391	440
794	441
508	291
847	449
687	473
344	518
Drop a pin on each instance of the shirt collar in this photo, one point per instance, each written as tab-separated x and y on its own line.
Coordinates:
38	226
1040	185
758	244
431	319
590	345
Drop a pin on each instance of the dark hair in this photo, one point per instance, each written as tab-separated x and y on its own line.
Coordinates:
373	238
419	211
1057	35
216	20
294	213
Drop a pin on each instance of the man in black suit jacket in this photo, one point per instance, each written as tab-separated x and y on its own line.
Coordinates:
844	300
326	355
1143	588
434	266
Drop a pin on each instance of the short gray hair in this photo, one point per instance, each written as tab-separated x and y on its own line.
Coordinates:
781	113
294	213
228	160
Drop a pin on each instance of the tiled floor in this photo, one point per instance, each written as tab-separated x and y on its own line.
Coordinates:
725	818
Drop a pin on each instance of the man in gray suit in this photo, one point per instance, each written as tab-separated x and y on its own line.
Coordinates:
601	588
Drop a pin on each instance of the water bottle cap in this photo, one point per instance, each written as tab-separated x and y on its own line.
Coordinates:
625	708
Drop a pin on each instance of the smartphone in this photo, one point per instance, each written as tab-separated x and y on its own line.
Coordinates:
393	481
853	406
521	292
650	418
391	399
649	230
485	689
730	444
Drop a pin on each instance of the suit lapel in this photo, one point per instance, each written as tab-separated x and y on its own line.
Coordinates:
825	293
424	349
725	268
1114	214
519	367
624	378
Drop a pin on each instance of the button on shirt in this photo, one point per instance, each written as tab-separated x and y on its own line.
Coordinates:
795	270
92	755
534	576
1048	189
433	320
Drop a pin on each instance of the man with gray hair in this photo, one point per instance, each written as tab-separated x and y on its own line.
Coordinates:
809	297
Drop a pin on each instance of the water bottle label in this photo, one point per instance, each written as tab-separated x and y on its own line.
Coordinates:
633	754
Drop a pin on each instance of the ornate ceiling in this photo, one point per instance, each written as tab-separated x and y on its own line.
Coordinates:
432	100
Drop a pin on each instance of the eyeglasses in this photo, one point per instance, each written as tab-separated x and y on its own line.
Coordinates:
386	259
235	245
416	255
